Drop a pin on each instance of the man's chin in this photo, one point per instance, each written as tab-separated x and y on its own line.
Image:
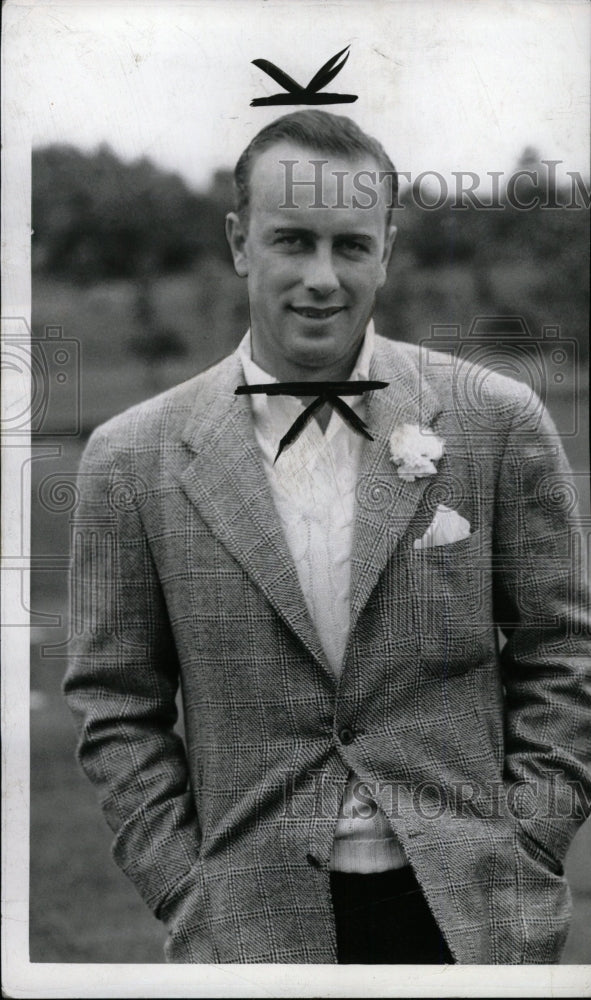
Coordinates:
322	359
316	351
318	337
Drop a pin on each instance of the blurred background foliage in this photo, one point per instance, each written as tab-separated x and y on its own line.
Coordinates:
134	265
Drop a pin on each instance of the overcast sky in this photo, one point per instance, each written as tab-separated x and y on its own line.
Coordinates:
445	84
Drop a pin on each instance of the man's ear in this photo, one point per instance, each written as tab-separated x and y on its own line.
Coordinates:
388	247
237	239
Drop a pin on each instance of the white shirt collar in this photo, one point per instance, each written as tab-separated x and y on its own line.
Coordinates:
274	414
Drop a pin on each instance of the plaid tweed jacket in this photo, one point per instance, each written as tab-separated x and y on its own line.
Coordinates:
475	750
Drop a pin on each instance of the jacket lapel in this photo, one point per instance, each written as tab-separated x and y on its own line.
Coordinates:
385	503
226	481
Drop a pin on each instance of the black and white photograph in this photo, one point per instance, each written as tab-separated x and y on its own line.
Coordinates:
296	522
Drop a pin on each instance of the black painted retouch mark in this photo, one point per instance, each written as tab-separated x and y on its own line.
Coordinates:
295	93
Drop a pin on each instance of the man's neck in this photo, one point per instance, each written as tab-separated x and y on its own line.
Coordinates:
284	371
339	372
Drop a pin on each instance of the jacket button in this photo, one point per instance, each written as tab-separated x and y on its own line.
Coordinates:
312	861
346	735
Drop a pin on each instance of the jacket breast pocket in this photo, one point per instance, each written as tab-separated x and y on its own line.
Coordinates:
452	588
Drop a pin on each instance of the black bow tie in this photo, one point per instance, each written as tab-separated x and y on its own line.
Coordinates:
325	392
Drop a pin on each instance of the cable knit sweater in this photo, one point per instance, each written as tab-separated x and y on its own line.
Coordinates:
313	487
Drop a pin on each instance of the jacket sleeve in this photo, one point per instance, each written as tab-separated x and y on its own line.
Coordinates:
122	681
542	606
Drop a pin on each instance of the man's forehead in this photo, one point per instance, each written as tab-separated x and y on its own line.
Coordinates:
289	150
287	177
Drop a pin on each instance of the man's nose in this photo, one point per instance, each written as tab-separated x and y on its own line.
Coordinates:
321	276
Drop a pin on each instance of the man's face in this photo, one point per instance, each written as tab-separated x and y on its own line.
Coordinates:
313	272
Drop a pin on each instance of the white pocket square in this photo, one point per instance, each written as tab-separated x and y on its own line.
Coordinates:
447	526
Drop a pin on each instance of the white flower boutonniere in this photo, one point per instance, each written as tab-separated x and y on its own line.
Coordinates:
415	450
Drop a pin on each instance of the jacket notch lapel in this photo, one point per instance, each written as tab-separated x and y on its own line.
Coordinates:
385	502
227	483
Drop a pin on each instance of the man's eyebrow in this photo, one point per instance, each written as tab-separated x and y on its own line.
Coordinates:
302	231
361	237
297	230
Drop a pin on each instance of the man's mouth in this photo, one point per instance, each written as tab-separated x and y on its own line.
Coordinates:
311	312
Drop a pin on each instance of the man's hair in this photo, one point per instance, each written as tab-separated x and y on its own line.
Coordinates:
320	132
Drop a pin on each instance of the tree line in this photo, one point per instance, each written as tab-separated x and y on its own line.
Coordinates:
97	217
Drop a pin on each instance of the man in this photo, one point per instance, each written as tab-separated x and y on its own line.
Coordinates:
366	776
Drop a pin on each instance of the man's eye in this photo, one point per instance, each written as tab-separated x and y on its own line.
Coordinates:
289	240
354	246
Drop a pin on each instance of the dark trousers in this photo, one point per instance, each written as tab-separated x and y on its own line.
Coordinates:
383	919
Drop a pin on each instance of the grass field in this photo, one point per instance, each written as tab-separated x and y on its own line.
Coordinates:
82	909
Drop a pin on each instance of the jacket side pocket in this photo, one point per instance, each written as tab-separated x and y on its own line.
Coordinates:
535	850
181	888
